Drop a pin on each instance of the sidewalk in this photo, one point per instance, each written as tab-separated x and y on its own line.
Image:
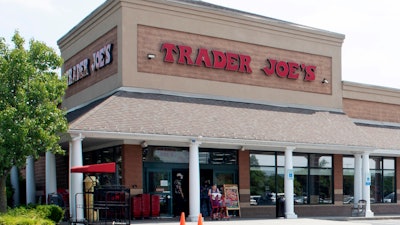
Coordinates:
299	221
282	221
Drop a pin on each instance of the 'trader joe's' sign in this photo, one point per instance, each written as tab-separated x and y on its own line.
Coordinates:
229	61
101	58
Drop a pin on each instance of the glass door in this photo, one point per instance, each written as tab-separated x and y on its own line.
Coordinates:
159	183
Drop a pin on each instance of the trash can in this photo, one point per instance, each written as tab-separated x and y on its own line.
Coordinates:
137	206
280	207
146	205
155	205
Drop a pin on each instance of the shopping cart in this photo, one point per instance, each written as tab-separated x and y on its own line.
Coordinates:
218	207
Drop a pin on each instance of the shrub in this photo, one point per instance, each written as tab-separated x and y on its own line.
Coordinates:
33	215
52	212
23	220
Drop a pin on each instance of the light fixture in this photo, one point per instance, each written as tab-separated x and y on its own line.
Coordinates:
144	144
325	81
145	150
151	56
242	149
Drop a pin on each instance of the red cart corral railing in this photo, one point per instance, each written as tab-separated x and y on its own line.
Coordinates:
103	204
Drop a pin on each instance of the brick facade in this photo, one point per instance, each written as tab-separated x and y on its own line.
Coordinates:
369	110
150	40
132	167
338	178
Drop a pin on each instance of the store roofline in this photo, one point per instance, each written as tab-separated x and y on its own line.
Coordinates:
203	96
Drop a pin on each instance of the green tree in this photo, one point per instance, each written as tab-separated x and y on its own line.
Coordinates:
30	95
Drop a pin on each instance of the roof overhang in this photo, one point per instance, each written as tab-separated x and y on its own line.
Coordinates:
131	118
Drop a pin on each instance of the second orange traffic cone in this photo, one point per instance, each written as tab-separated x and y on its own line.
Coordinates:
200	220
182	218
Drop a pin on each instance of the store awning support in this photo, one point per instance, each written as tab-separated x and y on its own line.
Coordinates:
76	179
357	179
289	184
194	181
366	184
51	175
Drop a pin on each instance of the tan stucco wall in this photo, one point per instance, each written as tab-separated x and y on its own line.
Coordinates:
81	41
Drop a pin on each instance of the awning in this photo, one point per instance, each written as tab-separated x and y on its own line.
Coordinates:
95	168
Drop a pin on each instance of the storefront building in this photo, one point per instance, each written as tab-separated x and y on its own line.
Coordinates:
179	86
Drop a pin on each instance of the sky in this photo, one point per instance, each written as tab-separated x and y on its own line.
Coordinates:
370	51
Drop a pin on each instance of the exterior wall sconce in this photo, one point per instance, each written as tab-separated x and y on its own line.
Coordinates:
145	150
242	149
144	144
325	81
151	56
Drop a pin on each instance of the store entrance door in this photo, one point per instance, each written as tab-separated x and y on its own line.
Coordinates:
160	178
159	183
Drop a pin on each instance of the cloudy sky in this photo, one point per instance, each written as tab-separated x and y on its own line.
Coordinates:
370	51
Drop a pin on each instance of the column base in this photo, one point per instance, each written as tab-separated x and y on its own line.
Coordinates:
193	218
369	213
290	216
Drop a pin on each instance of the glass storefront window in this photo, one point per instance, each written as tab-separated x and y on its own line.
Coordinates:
375	163
321	186
388	164
348	162
181	155
300	160
383	185
388	186
376	180
300	185
280	159
263	160
262	182
219	157
262	179
166	154
348	185
224	178
313	179
105	155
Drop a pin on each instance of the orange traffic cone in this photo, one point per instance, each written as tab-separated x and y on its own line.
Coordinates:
182	218
200	220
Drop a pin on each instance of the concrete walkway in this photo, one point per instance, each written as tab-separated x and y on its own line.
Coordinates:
299	221
246	221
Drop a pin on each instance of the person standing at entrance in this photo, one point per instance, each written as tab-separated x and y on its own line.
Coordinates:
179	196
205	207
214	191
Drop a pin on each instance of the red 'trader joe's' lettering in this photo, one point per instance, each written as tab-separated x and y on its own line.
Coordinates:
219	60
289	70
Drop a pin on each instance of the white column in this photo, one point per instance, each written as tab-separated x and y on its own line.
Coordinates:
76	179
51	176
289	184
15	185
194	181
30	180
366	183
357	179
